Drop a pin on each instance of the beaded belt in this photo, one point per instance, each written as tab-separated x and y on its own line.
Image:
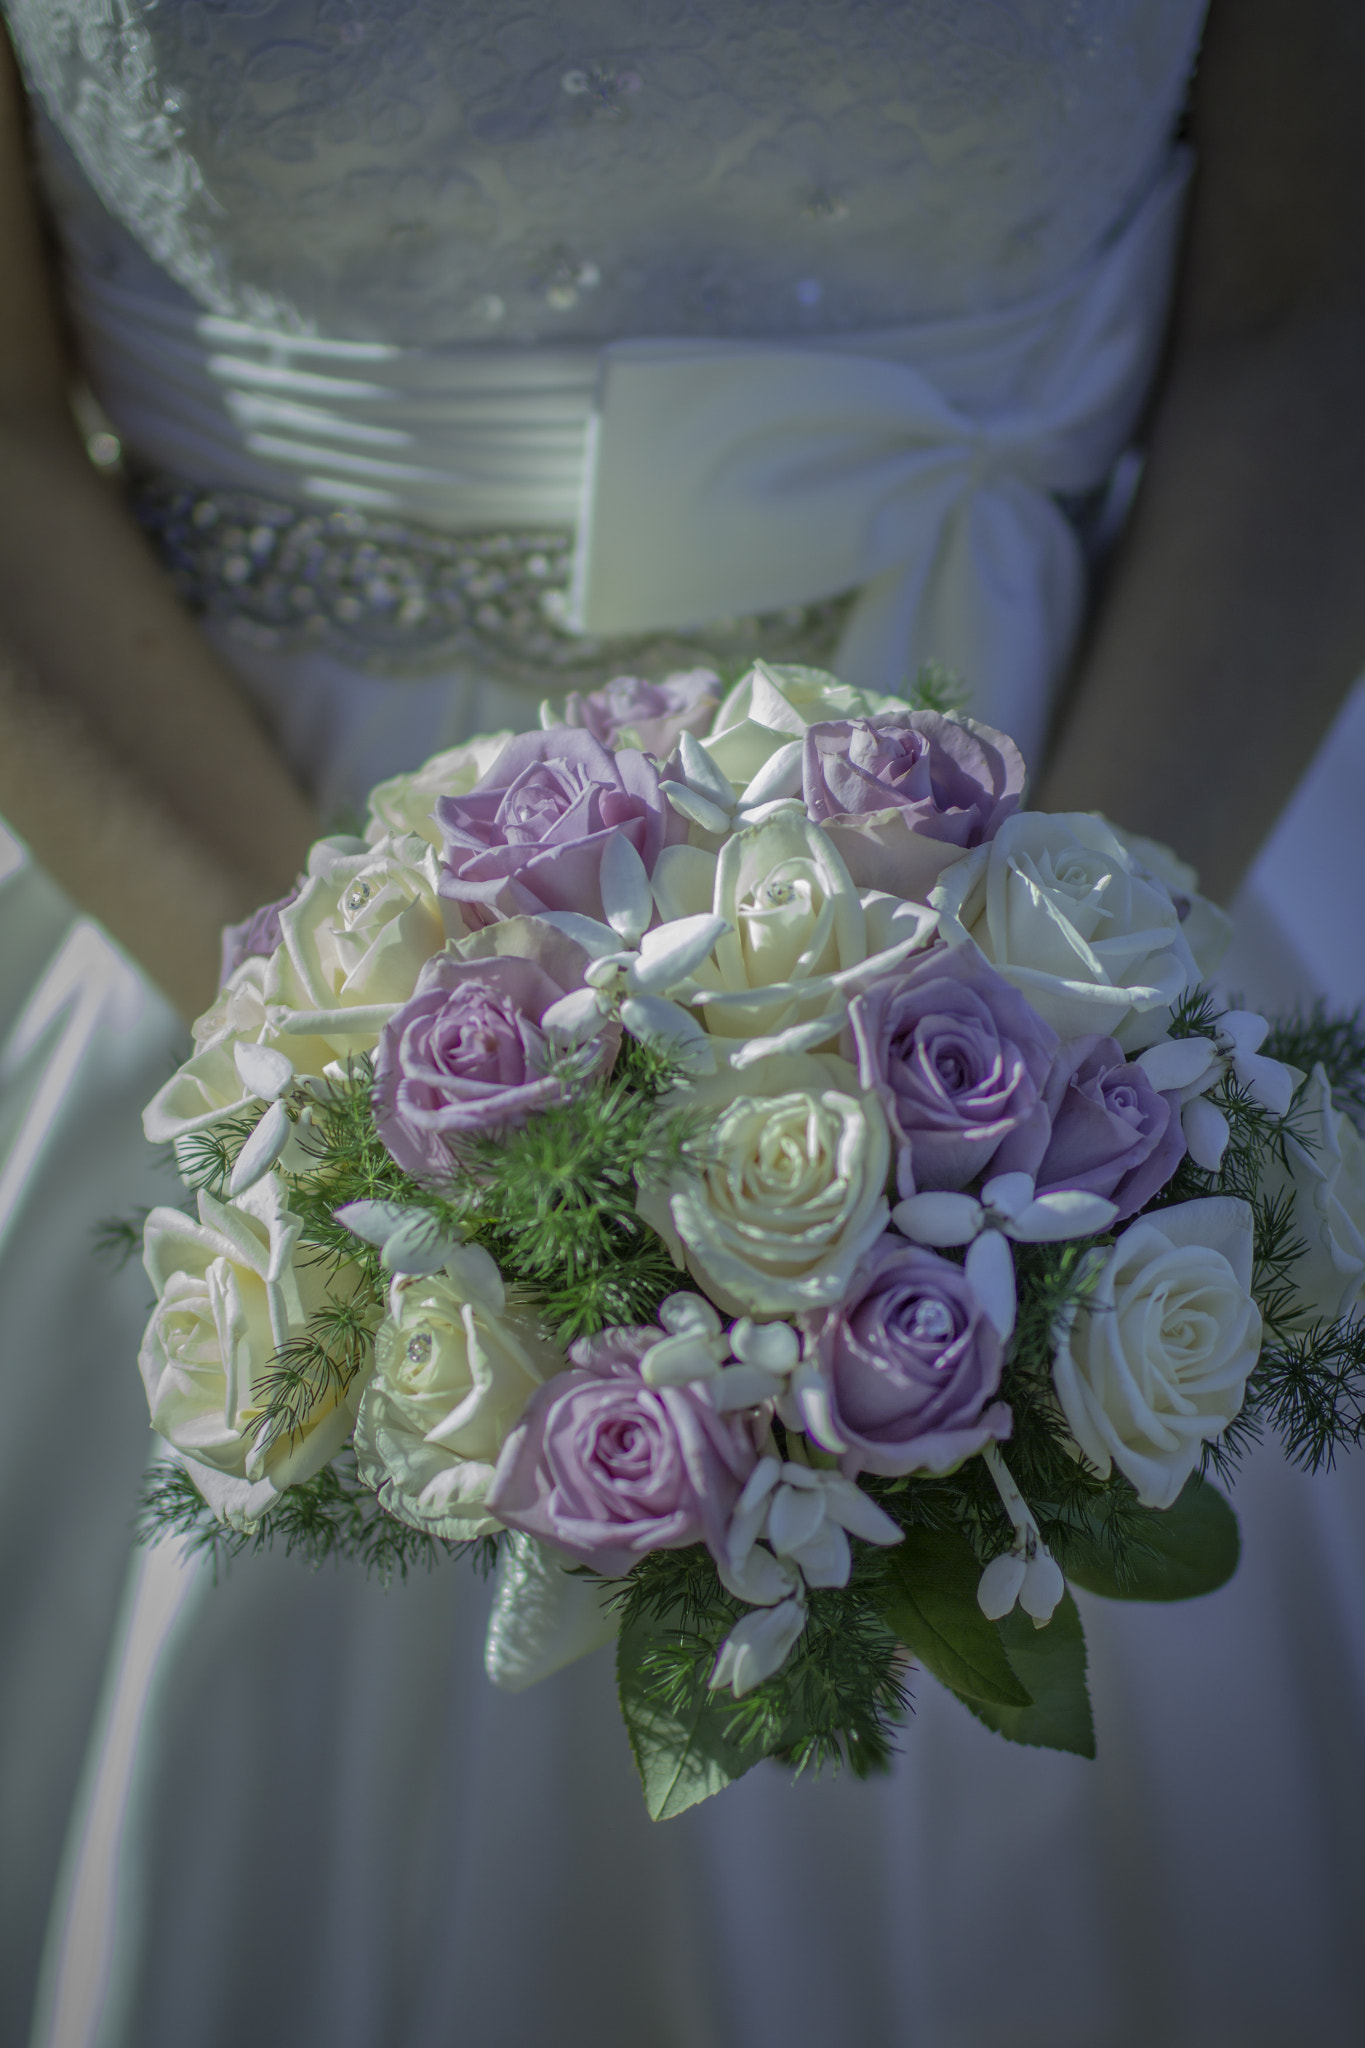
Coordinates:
398	599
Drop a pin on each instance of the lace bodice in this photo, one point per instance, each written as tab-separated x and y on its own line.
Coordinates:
467	171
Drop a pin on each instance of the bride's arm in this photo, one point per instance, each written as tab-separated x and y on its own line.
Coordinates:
128	759
1234	620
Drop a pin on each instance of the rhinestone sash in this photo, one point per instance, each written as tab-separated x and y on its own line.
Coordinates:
399	599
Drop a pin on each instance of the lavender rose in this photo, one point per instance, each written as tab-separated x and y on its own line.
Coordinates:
912	1363
1112	1134
256	937
903	795
529	837
629	712
959	1062
607	1468
468	1053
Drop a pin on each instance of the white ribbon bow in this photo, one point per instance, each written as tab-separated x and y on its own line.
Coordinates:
917	467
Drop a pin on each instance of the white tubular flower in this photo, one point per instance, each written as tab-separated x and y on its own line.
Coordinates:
789	1530
1206	1132
409	1240
1241	1033
695	1348
635	971
707	798
747	1365
758	1646
806	1517
1008	1208
1027	1571
1009	1204
1192	1066
261	1150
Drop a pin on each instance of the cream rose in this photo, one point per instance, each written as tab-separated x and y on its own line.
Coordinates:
792	1190
1061	909
799	931
230	1292
1155	1364
354	940
771	707
453	1371
212	1085
404	803
1325	1174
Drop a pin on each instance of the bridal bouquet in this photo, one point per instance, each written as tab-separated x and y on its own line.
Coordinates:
774	1199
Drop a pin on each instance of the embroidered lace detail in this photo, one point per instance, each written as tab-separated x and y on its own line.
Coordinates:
438	171
398	599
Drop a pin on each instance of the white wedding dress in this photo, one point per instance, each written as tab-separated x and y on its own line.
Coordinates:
386	301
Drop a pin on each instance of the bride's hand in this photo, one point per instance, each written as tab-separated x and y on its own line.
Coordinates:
129	760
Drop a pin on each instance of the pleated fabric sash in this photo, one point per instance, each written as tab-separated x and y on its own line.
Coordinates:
919	466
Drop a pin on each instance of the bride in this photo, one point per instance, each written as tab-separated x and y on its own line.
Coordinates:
448	349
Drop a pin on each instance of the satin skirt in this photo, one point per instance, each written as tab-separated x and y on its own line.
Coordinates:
294	1812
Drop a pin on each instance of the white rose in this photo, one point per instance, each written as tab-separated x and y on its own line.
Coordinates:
1156	1362
354	940
792	1190
772	706
230	1293
1207	928
405	802
210	1085
453	1371
1325	1173
1058	907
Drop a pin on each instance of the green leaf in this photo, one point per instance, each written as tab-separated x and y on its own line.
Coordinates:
1177	1552
930	1602
1050	1661
679	1744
